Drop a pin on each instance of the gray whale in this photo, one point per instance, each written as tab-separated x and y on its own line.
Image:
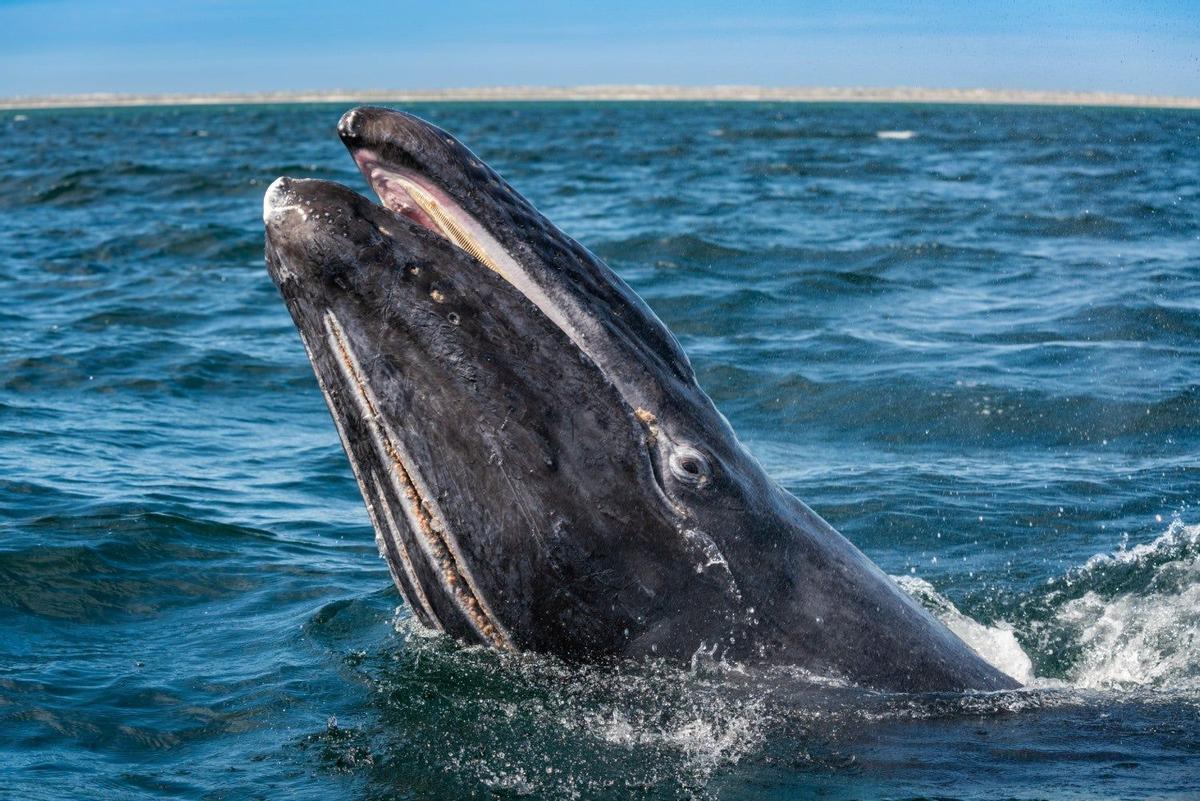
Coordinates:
541	468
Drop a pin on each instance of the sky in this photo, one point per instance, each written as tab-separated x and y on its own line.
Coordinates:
75	46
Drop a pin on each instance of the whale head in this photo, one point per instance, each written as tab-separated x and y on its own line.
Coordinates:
541	468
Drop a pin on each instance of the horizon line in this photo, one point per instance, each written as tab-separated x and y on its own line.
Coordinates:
612	92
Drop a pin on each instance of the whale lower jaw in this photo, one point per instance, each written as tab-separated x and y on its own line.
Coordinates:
419	510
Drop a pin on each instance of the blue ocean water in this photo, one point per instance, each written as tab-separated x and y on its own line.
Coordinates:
968	336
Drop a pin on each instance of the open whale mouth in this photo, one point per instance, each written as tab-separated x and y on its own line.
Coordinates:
410	195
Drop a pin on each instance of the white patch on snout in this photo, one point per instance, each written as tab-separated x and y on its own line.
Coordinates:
277	200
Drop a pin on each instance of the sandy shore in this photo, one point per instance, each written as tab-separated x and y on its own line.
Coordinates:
632	92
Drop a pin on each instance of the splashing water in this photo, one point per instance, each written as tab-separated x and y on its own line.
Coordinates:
619	728
531	724
997	643
1138	621
1130	618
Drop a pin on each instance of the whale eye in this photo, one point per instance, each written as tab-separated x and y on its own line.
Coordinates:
689	465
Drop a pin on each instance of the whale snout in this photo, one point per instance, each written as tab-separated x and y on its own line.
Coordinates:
313	231
277	199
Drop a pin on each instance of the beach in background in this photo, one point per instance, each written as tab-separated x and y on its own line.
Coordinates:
622	92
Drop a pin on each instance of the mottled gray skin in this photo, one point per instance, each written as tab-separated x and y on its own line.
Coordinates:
594	497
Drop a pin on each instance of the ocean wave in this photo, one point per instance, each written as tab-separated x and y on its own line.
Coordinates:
888	402
169	367
1132	616
1083	224
996	642
111	565
787	132
680	247
801	167
1125	619
1134	321
610	728
177	246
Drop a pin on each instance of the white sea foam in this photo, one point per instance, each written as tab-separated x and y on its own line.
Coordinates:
1148	633
996	643
709	736
1130	618
693	723
895	134
1177	540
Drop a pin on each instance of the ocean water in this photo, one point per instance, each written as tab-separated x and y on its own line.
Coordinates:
969	337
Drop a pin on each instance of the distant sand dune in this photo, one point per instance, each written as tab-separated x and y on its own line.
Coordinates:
632	92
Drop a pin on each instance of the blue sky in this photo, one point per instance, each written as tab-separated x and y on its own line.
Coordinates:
66	46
